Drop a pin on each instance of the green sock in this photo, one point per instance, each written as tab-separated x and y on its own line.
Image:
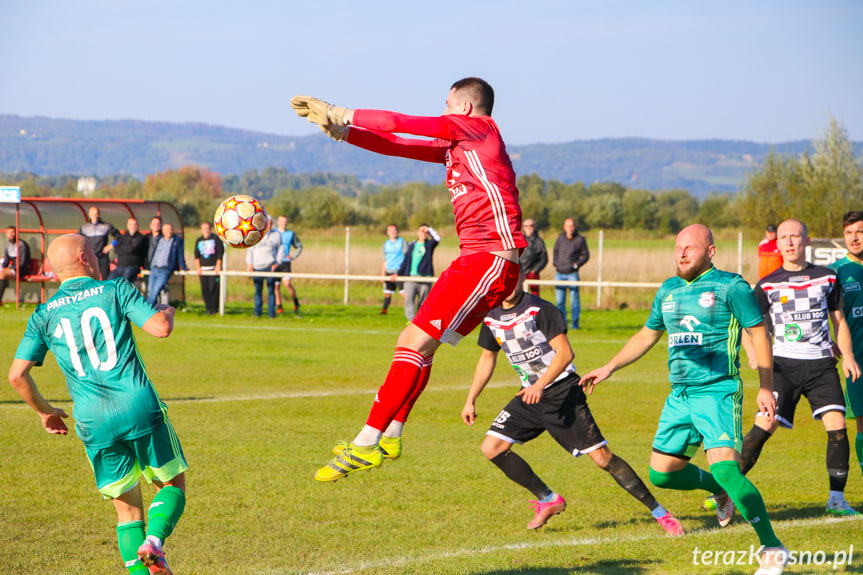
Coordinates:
858	447
687	479
130	535
165	511
747	499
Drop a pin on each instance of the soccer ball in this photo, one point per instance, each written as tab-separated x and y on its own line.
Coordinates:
241	221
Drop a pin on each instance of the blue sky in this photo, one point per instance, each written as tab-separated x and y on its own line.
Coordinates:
768	71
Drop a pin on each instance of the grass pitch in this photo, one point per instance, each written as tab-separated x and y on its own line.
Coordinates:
258	404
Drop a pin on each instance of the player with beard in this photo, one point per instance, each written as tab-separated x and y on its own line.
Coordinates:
704	311
850	272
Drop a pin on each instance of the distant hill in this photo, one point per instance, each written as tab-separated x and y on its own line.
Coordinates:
47	147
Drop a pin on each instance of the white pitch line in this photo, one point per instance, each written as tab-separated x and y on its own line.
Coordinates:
402	561
286	395
180	324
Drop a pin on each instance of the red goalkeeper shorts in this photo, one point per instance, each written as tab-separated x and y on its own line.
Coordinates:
463	295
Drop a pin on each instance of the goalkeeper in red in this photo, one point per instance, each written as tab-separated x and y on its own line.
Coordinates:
481	182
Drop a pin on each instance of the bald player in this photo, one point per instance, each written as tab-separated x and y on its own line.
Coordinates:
704	311
799	301
87	324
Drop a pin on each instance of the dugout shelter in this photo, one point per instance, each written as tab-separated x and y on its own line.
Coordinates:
40	220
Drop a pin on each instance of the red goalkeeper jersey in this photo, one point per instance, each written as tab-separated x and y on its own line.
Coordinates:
479	175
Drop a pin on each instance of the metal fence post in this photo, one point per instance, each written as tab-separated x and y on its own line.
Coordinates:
223	281
599	275
347	259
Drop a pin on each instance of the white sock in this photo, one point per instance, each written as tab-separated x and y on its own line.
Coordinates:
394	429
837	496
367	437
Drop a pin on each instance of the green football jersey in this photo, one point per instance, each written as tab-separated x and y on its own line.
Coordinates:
850	274
704	319
87	324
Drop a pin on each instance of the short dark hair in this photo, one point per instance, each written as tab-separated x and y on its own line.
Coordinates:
852	218
480	93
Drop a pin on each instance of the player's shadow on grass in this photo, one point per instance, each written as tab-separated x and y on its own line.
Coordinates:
631	522
789	512
707	520
610	567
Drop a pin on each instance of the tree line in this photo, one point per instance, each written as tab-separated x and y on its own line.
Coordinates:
817	187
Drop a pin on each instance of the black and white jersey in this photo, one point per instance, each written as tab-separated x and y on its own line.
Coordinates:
523	332
796	306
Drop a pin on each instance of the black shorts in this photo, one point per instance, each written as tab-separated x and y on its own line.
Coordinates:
817	379
562	411
393	287
283	267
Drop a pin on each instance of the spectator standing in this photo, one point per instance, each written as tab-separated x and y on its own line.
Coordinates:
265	256
289	241
155	232
769	256
570	253
534	258
167	258
16	251
419	262
131	250
208	258
96	231
395	248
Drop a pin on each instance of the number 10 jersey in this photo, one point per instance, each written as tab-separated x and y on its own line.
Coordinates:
87	324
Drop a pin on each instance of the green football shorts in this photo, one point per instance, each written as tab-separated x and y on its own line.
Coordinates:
156	456
709	414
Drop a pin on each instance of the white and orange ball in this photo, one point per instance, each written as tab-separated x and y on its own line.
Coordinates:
241	221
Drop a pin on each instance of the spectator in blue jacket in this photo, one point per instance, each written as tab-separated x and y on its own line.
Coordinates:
167	258
418	262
